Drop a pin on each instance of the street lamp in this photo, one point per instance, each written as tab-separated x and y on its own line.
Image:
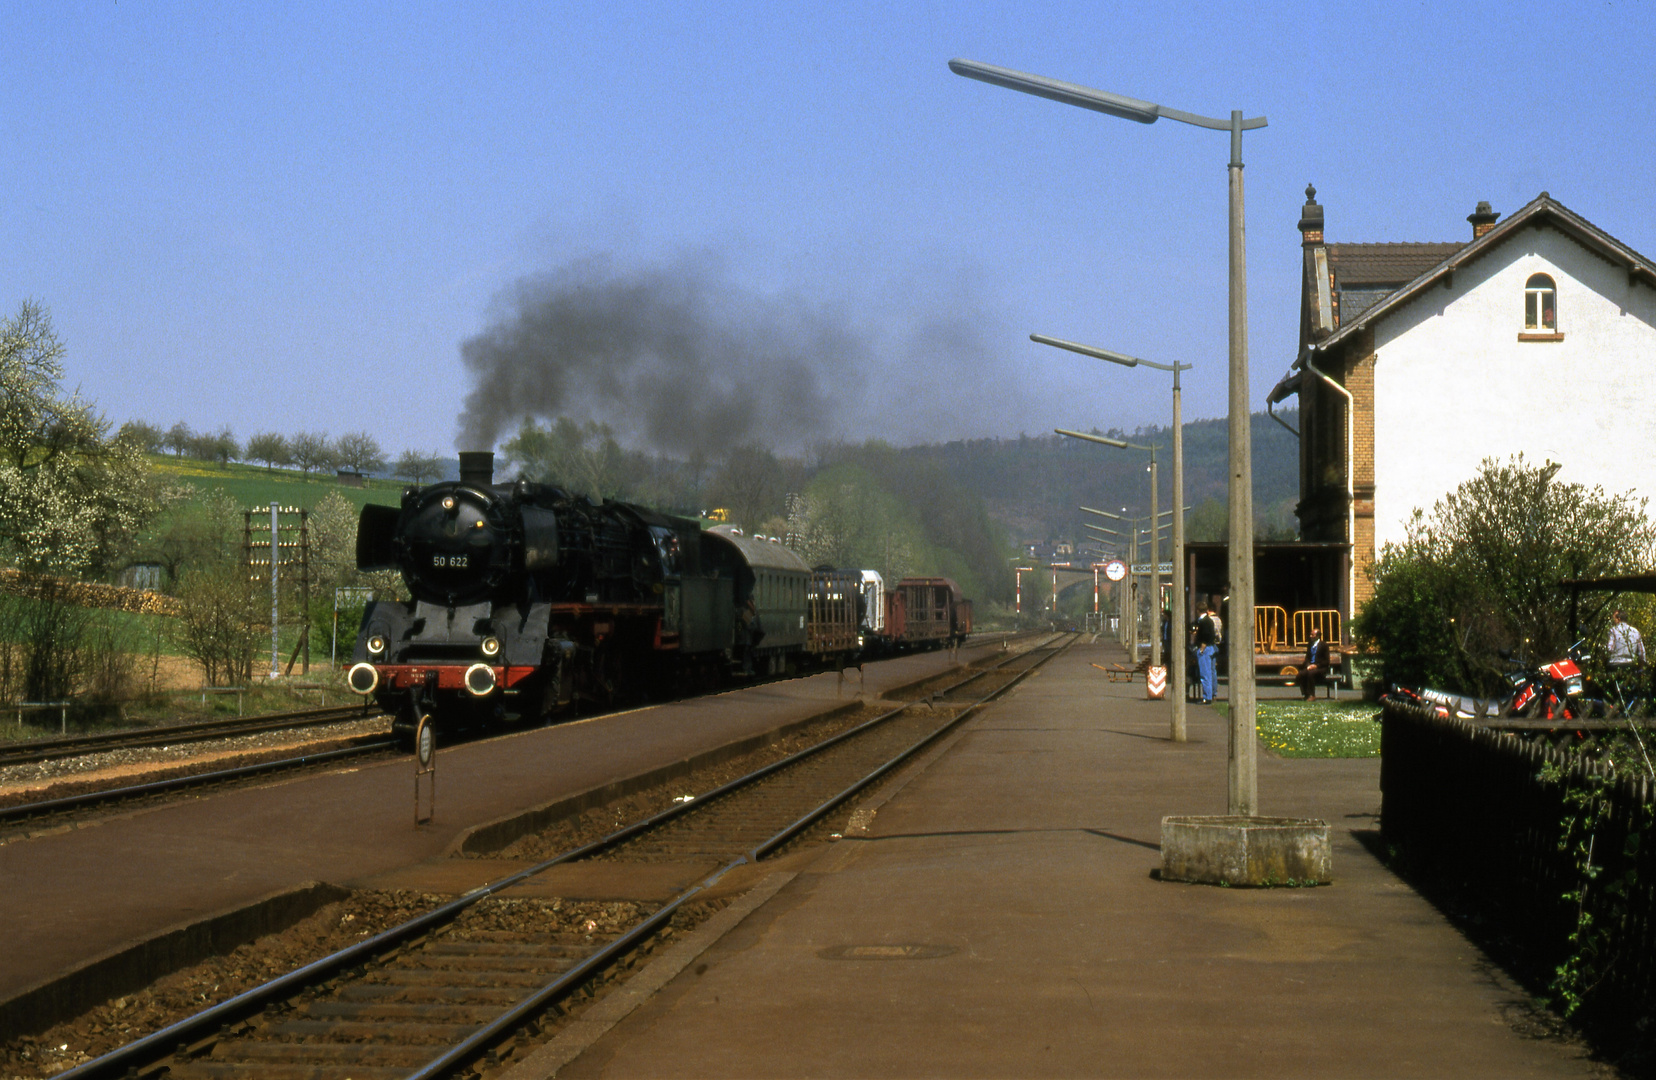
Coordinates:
1128	628
1242	773
1178	669
1155	546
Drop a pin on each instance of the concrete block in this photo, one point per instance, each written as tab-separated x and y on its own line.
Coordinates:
1249	851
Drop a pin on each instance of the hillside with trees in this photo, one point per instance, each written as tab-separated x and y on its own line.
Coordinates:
80	502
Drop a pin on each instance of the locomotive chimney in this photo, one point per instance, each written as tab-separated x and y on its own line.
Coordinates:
477	467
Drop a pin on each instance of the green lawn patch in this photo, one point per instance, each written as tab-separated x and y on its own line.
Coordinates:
1317	729
255	485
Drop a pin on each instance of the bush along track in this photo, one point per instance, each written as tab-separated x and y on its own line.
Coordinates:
1604	883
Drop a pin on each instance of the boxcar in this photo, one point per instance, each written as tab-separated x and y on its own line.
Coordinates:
925	613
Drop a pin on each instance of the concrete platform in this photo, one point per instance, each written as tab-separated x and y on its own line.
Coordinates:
997	917
70	896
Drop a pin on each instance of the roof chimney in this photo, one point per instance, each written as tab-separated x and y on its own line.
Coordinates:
1311	219
477	467
1483	219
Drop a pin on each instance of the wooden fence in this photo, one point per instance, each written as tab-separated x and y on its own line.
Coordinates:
1477	823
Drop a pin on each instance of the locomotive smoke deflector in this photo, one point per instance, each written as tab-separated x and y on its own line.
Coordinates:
376	537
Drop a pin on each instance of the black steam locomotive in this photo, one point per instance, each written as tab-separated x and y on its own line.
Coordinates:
527	600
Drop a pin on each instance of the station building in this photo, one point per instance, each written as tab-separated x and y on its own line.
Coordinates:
1536	335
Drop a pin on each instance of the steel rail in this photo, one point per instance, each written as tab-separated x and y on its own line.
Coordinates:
35	750
164	735
181	1034
92	798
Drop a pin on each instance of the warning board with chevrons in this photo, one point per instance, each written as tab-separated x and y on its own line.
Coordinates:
1155	683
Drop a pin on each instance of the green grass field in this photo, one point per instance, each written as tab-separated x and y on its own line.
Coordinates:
254	485
1317	729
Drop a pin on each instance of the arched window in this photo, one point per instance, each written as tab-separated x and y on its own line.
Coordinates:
1540	303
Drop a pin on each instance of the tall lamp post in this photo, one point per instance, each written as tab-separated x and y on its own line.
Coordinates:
1242	772
1178	669
1155	545
1121	608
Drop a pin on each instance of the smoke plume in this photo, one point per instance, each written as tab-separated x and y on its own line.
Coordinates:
669	356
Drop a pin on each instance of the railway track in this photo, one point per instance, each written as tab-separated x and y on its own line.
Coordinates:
458	985
173	734
25	811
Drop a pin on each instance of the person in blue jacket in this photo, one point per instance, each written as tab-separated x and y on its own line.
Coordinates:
1315	666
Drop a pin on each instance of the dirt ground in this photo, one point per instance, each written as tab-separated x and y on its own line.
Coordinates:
182	673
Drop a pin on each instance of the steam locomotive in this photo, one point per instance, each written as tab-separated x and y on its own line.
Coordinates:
527	601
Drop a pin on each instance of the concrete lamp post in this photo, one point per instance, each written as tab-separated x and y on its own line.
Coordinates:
1121	613
1242	771
1155	547
1176	683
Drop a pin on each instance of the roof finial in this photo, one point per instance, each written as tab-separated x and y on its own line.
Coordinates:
1311	218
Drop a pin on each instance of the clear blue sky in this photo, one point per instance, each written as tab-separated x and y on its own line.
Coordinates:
293	216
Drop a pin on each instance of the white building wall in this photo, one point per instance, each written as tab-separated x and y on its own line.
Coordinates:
1454	385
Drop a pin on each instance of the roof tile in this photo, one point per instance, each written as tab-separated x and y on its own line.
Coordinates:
1385	264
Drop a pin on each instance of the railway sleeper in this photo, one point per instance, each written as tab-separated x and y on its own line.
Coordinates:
319	1053
461	962
423	977
575	946
519	937
434	1012
433	994
402	1030
235	1070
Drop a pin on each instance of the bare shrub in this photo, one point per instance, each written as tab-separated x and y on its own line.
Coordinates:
220	623
52	634
110	662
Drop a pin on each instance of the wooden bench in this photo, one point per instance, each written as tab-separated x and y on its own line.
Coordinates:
1125	672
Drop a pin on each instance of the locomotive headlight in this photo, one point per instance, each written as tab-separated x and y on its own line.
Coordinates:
480	679
376	645
491	646
363	679
448	502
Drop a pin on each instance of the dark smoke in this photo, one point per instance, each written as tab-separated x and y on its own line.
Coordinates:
672	357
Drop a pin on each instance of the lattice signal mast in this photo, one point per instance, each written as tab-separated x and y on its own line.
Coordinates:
268	545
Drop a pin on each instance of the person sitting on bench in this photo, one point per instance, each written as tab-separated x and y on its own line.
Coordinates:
1315	666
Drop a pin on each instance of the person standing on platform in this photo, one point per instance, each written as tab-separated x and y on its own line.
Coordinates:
1626	654
1315	665
1207	637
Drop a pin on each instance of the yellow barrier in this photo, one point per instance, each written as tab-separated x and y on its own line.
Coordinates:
1327	620
1270	629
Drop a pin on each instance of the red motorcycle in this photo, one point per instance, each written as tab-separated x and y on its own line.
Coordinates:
1555	691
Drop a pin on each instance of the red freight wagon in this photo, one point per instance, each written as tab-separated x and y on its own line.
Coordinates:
926	613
